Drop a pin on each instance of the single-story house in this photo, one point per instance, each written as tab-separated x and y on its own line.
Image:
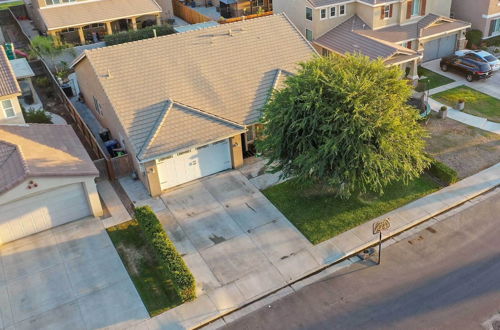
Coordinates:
188	105
46	179
10	109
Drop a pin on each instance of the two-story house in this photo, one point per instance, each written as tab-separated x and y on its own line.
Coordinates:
401	32
10	110
483	14
87	21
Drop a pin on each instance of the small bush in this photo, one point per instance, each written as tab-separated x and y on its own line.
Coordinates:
166	253
495	41
474	38
443	172
32	116
42	81
122	37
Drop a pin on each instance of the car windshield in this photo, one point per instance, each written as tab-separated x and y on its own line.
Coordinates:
490	58
484	67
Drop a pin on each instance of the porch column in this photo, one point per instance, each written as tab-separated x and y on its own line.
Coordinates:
109	29
54	36
413	74
80	34
134	23
158	20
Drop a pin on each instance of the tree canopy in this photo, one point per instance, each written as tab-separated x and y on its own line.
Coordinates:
344	122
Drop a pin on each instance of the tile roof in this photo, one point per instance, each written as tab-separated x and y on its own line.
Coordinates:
87	12
226	70
8	81
41	150
180	127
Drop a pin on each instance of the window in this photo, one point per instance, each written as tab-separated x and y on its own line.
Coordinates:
257	3
323	14
309	14
342	10
309	35
333	11
495	27
57	2
416	8
8	108
387	11
97	106
325	52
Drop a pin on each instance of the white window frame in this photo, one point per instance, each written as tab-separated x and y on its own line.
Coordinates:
387	12
98	107
334	12
344	7
496	27
321	12
6	108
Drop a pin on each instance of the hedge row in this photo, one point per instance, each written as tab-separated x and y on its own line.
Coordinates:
166	253
443	172
122	37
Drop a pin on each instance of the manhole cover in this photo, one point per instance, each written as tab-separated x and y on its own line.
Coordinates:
496	325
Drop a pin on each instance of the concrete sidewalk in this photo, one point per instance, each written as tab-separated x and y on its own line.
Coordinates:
204	310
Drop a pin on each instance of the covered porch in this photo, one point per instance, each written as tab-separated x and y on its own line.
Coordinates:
95	32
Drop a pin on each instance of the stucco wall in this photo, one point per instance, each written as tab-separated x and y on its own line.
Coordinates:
473	11
320	27
296	12
46	183
18	119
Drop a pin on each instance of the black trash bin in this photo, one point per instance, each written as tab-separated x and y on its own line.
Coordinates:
67	90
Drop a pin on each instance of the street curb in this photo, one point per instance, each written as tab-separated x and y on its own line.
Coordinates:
351	254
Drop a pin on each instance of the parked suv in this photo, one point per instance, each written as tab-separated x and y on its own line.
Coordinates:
471	68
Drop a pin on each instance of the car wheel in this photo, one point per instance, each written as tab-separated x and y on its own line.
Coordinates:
469	77
444	67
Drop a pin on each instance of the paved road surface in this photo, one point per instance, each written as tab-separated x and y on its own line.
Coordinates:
445	277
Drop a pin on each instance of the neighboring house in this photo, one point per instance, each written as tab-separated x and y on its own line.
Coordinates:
29	98
188	105
87	21
483	14
46	179
235	8
10	110
401	32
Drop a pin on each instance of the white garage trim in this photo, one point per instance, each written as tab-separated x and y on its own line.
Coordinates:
42	211
194	163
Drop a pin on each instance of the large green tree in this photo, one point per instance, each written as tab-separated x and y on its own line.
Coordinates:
343	121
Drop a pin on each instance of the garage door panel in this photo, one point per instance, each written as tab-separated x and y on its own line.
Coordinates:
42	211
439	48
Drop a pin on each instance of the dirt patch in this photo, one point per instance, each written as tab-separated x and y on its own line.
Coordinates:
467	149
134	257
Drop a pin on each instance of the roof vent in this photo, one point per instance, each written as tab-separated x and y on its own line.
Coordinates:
230	32
108	75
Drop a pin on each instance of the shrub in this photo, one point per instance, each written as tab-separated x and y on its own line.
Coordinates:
122	37
42	81
39	116
474	38
166	253
443	172
495	41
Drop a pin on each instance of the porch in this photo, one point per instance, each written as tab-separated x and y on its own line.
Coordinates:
95	32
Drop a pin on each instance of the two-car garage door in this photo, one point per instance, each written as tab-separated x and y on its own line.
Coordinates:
194	163
42	211
441	47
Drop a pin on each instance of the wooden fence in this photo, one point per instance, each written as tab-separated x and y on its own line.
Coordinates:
241	18
188	14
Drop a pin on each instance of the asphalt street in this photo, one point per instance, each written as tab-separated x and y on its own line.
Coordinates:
444	277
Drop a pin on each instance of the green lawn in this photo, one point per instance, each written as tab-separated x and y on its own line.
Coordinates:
10	4
319	215
476	103
156	291
432	79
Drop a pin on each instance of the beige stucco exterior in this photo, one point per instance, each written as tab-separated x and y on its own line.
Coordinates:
479	12
18	119
46	183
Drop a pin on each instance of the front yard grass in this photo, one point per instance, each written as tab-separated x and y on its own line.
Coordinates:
319	215
6	5
476	103
432	79
156	291
464	148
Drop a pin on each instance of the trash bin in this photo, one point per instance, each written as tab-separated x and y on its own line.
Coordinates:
67	90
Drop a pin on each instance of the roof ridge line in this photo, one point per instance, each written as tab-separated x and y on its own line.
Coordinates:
154	130
208	114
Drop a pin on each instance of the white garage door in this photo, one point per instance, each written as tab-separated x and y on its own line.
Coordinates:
440	48
42	211
194	163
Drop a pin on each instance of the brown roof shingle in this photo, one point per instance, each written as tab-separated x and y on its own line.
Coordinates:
41	150
8	81
87	12
227	71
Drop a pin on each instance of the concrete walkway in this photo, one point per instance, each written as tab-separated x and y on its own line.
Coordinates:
215	302
119	213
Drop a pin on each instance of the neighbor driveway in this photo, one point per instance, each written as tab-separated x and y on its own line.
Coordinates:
488	86
68	277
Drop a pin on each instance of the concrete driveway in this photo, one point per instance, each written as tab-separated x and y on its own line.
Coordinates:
488	86
236	243
67	277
